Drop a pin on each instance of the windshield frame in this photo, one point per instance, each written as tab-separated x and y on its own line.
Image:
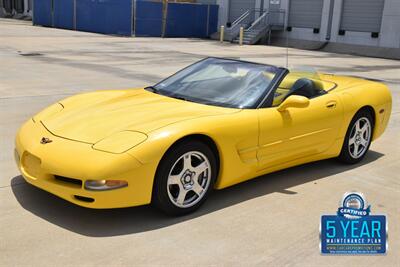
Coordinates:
279	75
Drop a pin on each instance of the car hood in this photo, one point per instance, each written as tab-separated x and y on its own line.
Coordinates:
91	117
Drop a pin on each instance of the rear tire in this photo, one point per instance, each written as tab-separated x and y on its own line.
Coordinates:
184	178
358	138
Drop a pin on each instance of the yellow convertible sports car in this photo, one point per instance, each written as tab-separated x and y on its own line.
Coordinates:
213	124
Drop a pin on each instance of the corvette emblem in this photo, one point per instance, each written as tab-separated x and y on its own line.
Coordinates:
45	140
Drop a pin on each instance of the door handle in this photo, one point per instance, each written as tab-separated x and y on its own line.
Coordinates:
331	104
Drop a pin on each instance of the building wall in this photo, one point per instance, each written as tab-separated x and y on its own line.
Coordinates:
307	33
223	12
389	35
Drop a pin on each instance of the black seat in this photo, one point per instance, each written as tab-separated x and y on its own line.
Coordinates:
303	87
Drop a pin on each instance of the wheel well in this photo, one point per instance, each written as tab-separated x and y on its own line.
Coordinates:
370	110
204	139
200	137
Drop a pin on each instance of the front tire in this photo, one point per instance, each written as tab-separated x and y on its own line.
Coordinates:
358	138
184	178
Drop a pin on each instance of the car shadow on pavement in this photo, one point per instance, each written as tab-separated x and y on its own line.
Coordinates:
113	222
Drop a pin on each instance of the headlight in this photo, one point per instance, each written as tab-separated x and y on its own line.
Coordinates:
48	112
120	142
101	185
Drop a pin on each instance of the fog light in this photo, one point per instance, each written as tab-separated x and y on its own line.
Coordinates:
101	185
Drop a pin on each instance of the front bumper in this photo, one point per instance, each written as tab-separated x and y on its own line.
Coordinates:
62	167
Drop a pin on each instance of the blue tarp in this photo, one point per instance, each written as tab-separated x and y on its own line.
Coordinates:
191	20
42	13
63	16
186	20
148	18
213	19
115	17
104	16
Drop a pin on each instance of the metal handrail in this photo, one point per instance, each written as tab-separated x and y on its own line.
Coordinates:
265	17
239	19
246	14
259	20
260	25
263	23
234	30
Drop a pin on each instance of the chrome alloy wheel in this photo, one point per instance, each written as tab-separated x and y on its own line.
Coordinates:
360	137
189	179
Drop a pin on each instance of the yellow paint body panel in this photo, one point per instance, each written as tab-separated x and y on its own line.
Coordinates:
123	135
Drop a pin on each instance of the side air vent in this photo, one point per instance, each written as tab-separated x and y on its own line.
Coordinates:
68	180
84	199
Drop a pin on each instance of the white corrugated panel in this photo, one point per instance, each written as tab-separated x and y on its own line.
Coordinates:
362	15
305	13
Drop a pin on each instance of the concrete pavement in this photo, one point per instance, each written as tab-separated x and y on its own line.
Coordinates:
270	221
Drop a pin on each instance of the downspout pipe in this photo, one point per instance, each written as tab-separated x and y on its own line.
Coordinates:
329	28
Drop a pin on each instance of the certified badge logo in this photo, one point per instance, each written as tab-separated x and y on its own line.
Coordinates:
353	206
353	230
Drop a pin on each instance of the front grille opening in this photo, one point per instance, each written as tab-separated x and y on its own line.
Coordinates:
84	199
68	180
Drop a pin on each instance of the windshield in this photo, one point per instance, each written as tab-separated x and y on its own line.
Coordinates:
221	82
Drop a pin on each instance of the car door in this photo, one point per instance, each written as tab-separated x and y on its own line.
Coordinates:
298	132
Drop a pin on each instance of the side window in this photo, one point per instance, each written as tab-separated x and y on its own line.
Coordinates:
298	85
283	89
279	95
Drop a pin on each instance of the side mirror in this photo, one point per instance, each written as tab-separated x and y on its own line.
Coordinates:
294	101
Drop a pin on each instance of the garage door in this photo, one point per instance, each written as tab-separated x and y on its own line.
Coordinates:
305	13
238	7
362	15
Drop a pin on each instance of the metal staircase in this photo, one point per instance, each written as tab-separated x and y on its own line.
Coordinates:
257	24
